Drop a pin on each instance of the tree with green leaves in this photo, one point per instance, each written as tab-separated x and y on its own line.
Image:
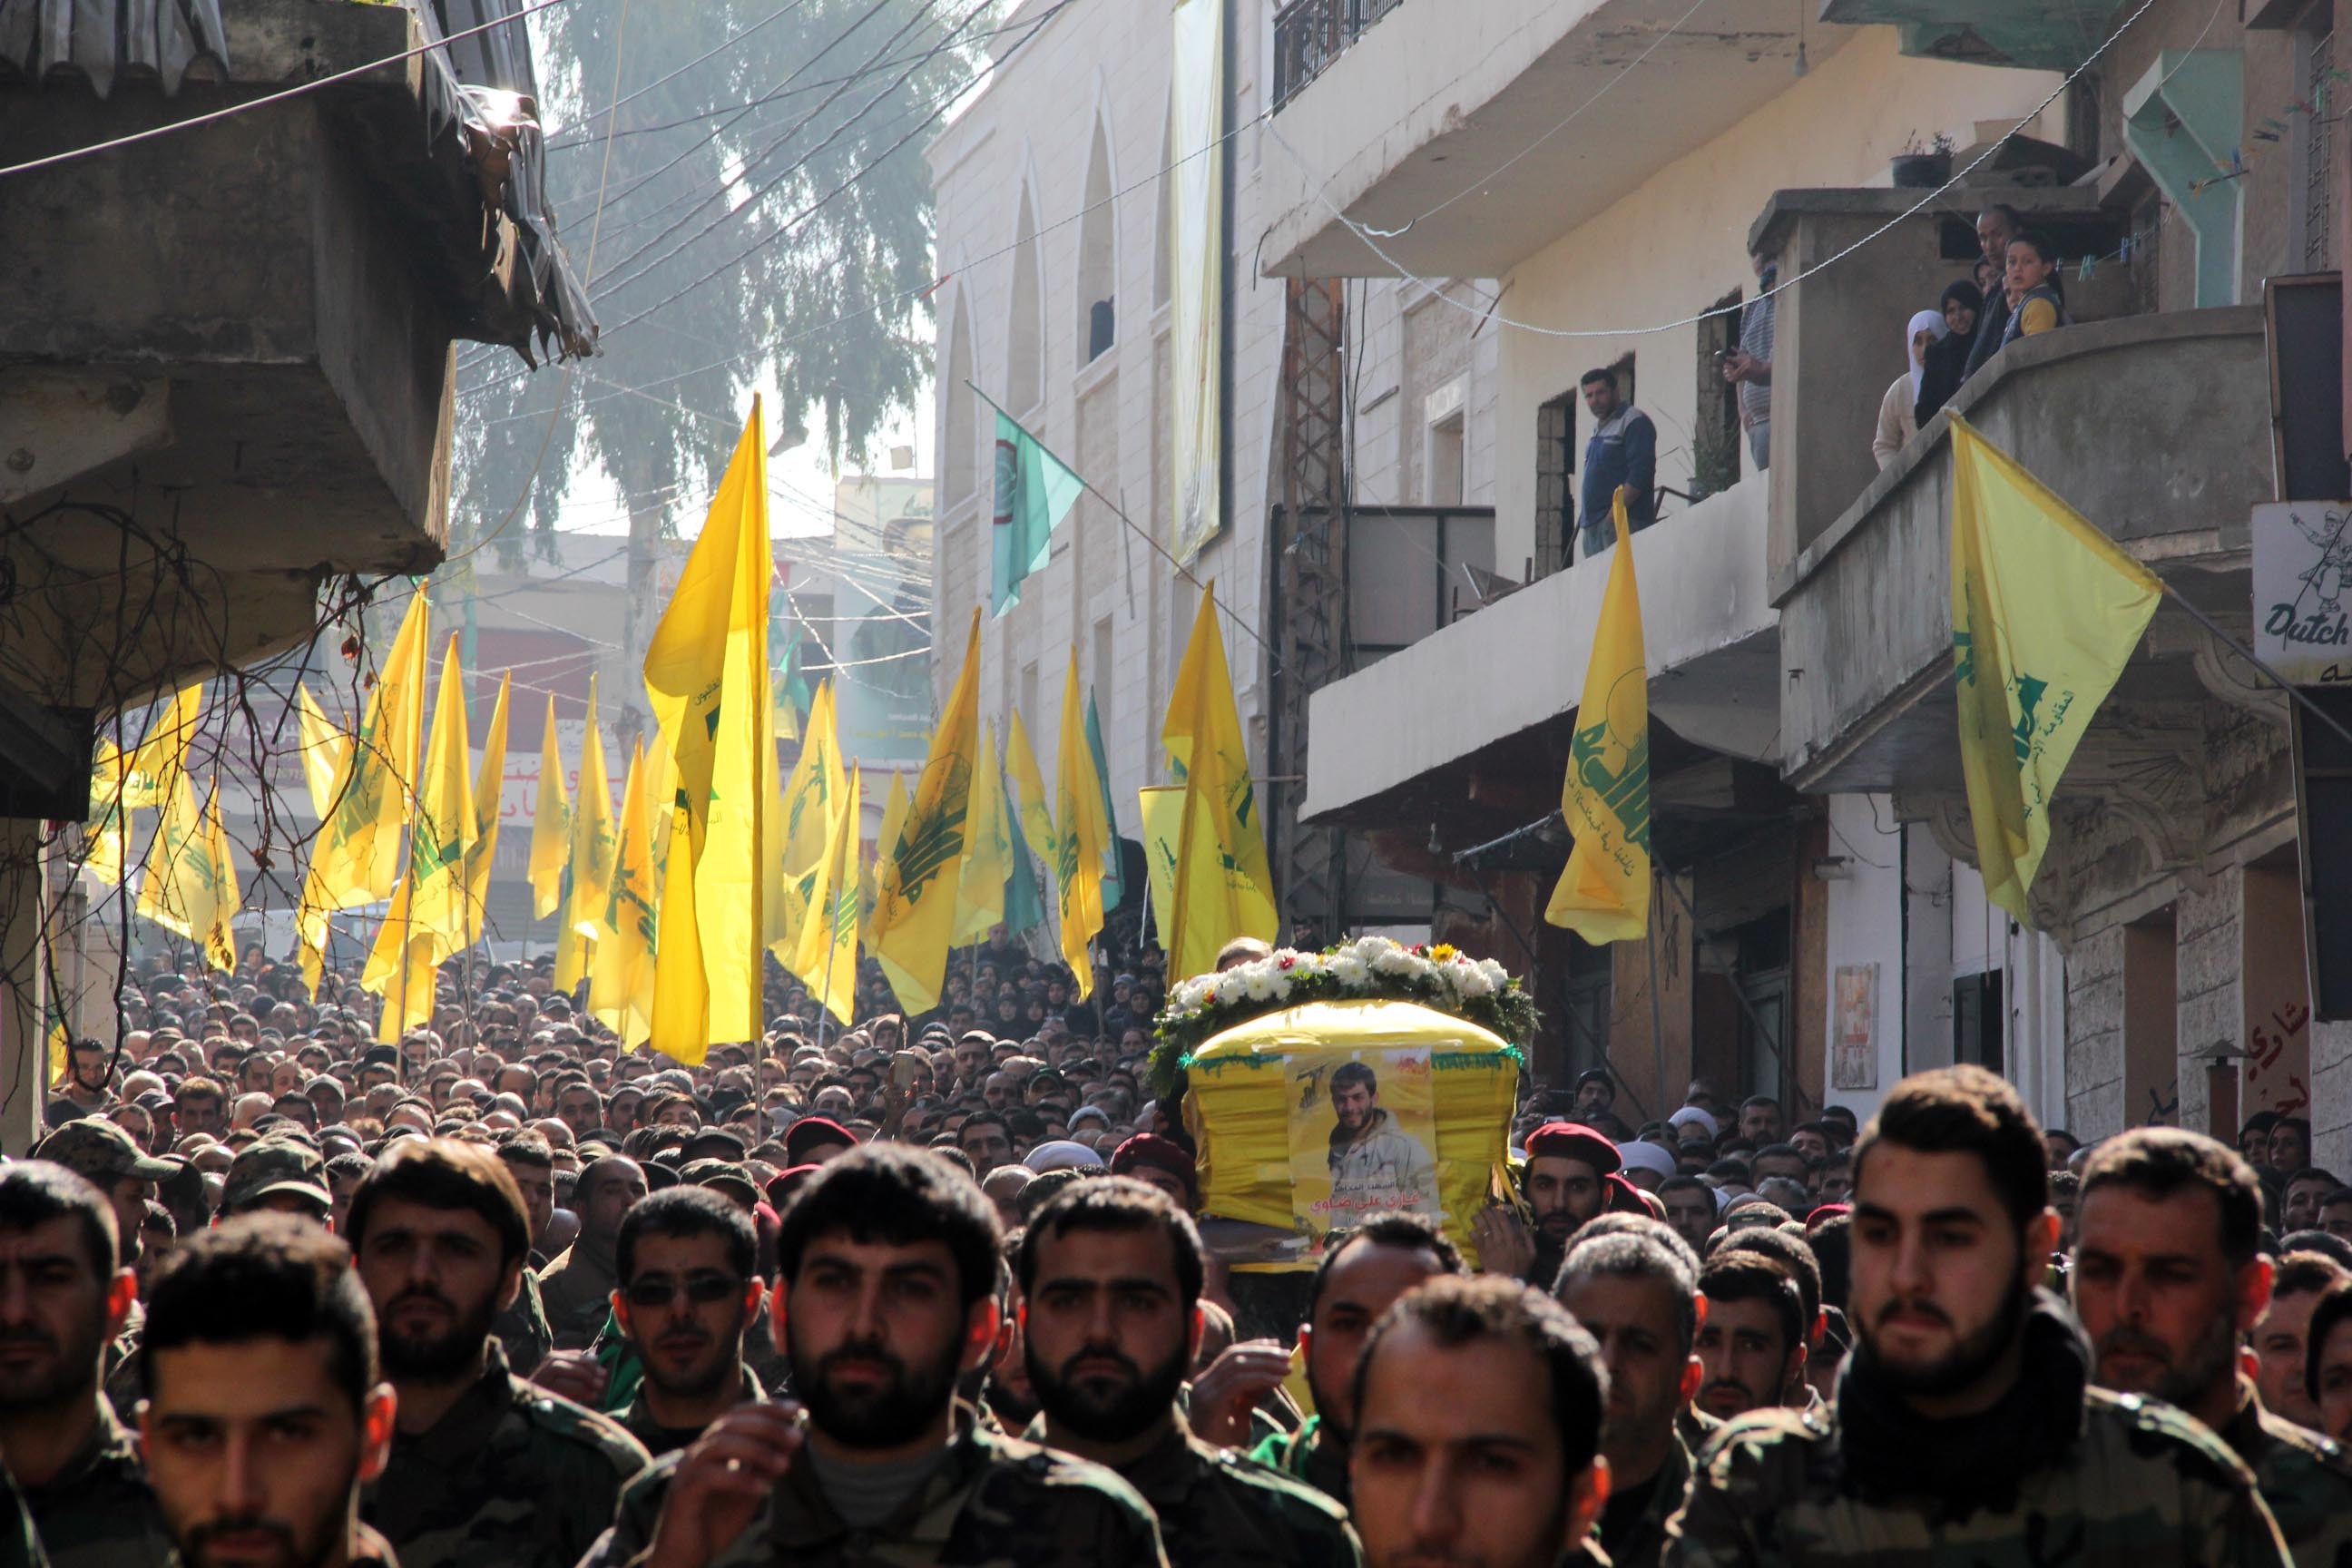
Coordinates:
740	184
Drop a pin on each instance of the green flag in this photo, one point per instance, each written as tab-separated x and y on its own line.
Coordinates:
1034	493
1114	892
1024	904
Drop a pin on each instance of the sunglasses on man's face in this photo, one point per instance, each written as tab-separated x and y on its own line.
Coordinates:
702	1290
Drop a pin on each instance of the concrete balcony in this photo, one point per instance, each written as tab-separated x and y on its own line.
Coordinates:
2157	429
225	354
1465	723
1410	106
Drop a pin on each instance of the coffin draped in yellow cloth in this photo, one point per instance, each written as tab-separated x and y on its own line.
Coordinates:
1310	1117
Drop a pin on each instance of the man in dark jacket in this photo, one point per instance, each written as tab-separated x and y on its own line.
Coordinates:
1623	450
1996	227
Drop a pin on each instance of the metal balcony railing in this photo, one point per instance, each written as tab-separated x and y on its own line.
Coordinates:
1308	35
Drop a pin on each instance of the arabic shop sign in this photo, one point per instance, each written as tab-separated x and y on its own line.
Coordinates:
2303	590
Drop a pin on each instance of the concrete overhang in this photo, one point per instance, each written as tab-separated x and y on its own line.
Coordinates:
2156	427
225	354
1518	666
1439	102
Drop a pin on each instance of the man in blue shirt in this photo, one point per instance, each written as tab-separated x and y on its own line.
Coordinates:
1623	451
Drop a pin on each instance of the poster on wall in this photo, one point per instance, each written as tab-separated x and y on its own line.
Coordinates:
1363	1136
1196	241
1854	1046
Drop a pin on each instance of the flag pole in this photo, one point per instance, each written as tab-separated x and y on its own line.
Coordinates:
2294	694
1117	511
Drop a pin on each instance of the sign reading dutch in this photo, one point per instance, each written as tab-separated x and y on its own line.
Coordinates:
2303	590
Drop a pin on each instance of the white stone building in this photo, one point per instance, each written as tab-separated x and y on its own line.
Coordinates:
1051	200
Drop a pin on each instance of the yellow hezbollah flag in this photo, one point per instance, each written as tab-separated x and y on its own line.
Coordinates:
828	952
914	908
168	893
357	856
489	783
1161	810
326	750
219	874
894	822
189	888
106	837
1604	893
1223	885
356	859
621	975
1078	851
1029	791
551	825
707	679
589	864
444	820
2045	611
429	915
987	849
808	811
162	754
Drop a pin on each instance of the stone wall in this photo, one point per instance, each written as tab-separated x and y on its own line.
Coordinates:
2211	993
2094	1036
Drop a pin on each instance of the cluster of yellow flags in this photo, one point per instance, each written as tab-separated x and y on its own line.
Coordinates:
437	906
713	860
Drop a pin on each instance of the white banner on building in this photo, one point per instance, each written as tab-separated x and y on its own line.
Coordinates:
2303	590
1197	241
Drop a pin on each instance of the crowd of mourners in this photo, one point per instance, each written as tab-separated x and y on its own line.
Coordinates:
934	1291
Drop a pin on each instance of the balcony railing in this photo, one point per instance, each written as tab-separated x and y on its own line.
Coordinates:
1308	35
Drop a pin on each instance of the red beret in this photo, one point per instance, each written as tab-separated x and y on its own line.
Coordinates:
810	1134
1573	1141
784	1183
1624	1197
1165	1154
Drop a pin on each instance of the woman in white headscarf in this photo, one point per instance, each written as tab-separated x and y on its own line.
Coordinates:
1897	421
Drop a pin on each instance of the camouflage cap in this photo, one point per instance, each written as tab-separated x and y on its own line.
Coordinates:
275	1165
719	1173
101	1151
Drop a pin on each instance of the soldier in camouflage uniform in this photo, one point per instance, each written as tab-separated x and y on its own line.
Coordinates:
485	1471
108	1158
886	1278
1637	1295
20	1543
2166	1276
1110	1285
1965	1430
689	1288
1478	1408
522	1328
266	1414
577	1287
79	1474
281	1172
1361	1275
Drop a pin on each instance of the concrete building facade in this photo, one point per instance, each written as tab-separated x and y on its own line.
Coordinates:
1821	928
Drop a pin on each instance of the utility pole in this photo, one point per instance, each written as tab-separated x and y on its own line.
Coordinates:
1310	545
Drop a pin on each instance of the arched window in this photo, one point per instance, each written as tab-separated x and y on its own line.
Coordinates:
1024	384
1164	222
959	448
1097	260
